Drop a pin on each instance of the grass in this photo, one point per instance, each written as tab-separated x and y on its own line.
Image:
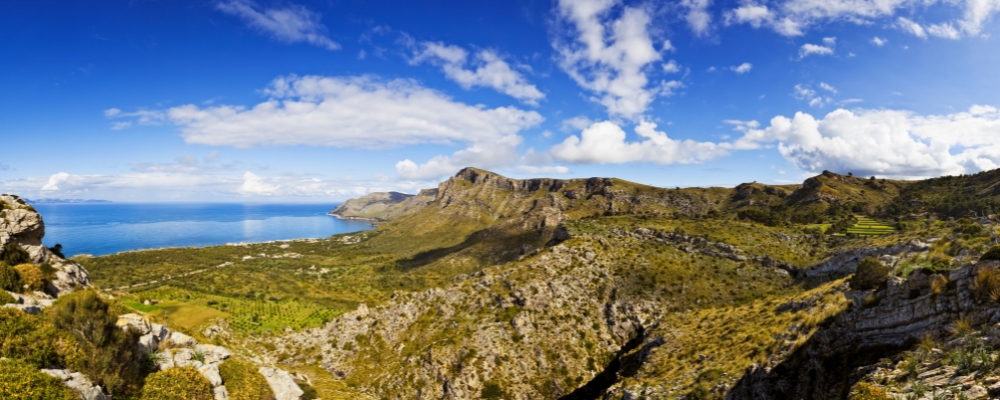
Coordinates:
868	227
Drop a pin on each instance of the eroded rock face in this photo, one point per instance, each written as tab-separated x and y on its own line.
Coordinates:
21	224
281	383
79	383
905	312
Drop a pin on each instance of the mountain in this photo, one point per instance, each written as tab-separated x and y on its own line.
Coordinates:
601	288
66	201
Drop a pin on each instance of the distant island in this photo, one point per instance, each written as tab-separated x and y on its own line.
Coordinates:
66	201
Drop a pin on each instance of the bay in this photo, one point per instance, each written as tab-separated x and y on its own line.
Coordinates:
108	228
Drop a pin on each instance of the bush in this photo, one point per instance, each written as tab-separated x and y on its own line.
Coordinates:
184	383
867	391
871	273
32	278
57	250
9	279
22	381
491	390
14	254
112	358
764	217
30	339
243	381
986	286
992	254
6	298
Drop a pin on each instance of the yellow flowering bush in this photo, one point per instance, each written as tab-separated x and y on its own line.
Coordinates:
184	383
31	276
243	381
22	381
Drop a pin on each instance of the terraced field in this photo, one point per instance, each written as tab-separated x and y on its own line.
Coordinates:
247	315
868	227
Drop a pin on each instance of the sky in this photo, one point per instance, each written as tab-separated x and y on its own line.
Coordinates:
321	101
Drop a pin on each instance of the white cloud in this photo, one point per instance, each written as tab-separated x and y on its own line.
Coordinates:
794	17
827	87
671	67
830	41
361	112
292	24
805	93
945	30
55	181
608	56
577	123
754	14
605	142
889	143
490	70
810	49
913	28
697	16
255	185
879	41
742	68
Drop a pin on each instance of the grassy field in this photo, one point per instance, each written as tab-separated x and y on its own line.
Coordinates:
868	227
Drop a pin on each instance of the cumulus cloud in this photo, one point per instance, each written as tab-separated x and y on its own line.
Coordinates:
890	143
363	112
489	70
828	87
794	17
807	94
879	41
671	67
742	68
810	49
605	142
607	53
292	24
697	16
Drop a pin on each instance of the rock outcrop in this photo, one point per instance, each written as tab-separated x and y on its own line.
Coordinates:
881	324
22	225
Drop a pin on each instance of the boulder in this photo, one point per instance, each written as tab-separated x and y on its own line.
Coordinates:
182	340
79	383
134	322
214	354
211	372
282	384
220	393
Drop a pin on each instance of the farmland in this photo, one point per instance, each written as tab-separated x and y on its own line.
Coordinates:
868	227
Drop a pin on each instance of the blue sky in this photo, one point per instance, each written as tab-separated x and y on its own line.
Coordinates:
319	101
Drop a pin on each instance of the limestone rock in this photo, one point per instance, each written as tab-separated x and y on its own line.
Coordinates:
281	383
211	372
214	354
220	393
79	383
182	340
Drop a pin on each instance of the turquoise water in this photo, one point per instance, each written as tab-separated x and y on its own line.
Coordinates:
100	229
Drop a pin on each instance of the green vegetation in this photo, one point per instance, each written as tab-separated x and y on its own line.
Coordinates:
31	277
866	391
869	227
986	286
243	381
870	274
13	254
6	298
182	383
9	279
993	254
22	381
105	353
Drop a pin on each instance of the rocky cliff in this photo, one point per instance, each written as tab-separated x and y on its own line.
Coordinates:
382	206
21	225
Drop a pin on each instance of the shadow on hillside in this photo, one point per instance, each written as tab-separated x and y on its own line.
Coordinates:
815	371
489	246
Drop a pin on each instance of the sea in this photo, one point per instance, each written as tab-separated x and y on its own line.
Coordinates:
108	228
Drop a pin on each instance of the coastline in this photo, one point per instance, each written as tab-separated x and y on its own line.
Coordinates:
338	216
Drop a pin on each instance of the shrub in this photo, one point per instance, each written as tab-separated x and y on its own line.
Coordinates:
57	250
14	254
243	381
184	383
30	339
867	391
986	286
32	278
871	273
112	358
491	390
22	381
9	280
6	298
992	254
